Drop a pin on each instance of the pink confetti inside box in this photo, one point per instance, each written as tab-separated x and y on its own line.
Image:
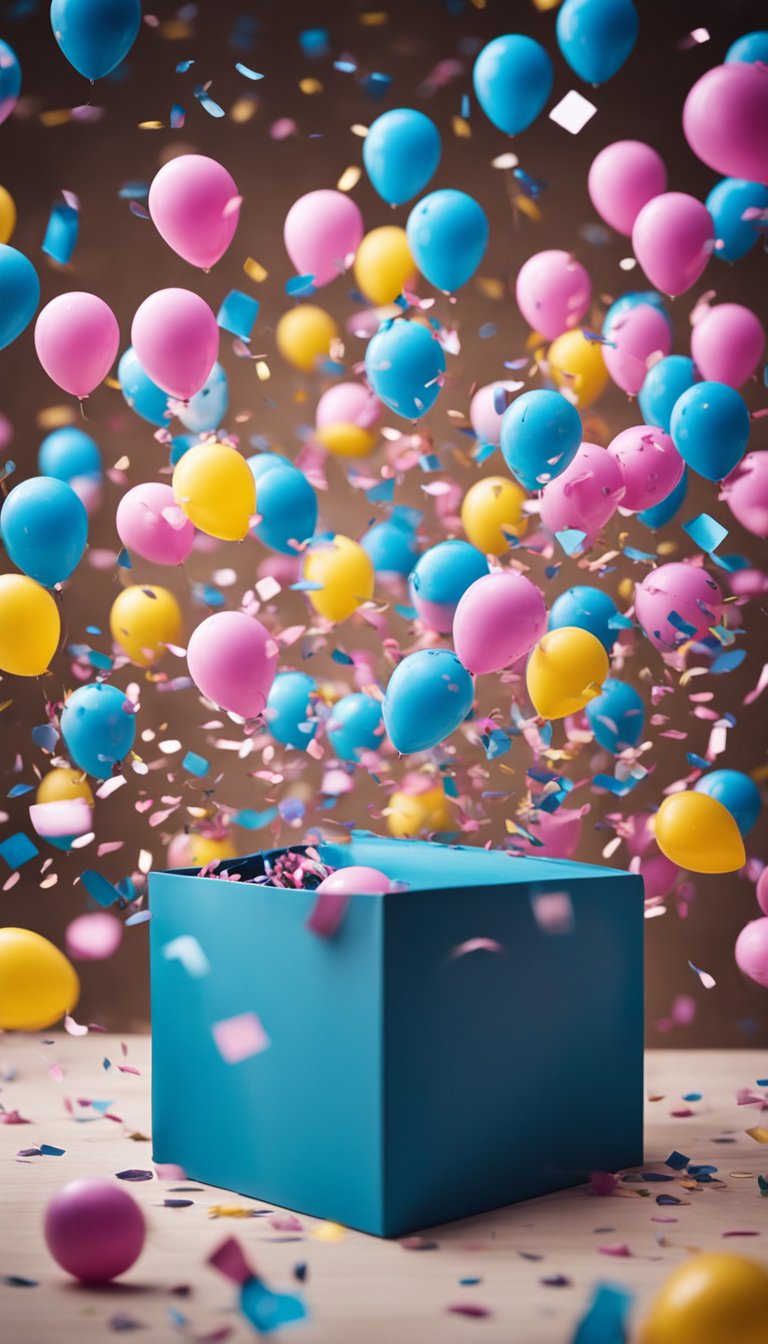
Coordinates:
471	1038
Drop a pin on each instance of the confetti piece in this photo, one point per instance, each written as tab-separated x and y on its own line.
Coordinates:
187	950
239	1038
17	850
62	232
237	314
573	112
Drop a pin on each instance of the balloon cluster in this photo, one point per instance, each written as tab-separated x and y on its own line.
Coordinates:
486	627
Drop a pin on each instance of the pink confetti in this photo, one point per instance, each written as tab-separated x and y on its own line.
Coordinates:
241	1037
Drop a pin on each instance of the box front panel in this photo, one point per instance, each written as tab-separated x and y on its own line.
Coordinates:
512	1072
297	1121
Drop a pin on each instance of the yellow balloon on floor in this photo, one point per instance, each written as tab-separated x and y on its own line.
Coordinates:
304	335
37	983
414	813
61	784
143	620
346	439
491	512
7	216
204	849
577	364
345	572
29	626
214	486
565	671
698	833
383	264
713	1298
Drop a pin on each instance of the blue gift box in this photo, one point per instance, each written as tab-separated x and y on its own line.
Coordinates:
467	1042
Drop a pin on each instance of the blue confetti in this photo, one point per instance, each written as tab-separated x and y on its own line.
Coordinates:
345	67
254	821
269	1311
339	656
677	1161
376	85
571	539
382	493
19	790
18	850
61	233
207	102
45	736
238	313
705	532
99	888
245	70
300	284
183	67
195	765
48	1150
605	1320
643	557
728	661
314	42
178	117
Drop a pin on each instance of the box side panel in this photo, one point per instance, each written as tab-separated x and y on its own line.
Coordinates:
299	1122
509	1074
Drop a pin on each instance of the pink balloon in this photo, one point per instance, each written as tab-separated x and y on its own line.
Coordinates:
585	495
553	292
94	1229
176	339
356	881
762	891
622	179
746	493
322	233
150	522
559	832
195	206
727	344
637	335
483	415
679	590
673	238
93	936
89	491
752	951
499	618
350	404
232	660
724	120
77	339
659	875
649	463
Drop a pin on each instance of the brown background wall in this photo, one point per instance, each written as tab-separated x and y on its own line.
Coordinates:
123	259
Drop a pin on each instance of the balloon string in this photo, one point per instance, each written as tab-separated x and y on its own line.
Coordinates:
83	416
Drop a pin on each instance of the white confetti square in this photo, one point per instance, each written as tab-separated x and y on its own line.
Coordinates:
573	112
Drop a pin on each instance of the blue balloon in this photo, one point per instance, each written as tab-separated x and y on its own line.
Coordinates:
710	429
540	436
286	503
289	712
401	152
429	694
442	575
68	453
513	78
737	792
98	727
663	512
95	35
635	299
44	528
748	49
181	445
261	463
206	410
19	293
665	382
355	726
448	237
727	203
10	80
142	395
590	609
392	549
597	36
616	716
403	364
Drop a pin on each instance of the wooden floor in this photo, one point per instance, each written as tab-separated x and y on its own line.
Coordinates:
360	1290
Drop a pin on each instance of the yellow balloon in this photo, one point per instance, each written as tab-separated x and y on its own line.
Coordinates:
143	620
490	509
713	1298
61	784
7	216
578	364
37	983
346	574
414	813
698	833
304	335
565	671
346	439
383	264
214	486
204	849
29	626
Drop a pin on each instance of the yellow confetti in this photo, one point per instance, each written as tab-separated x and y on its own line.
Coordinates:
759	1133
254	270
489	287
114	384
349	178
310	86
528	207
544	5
151	125
229	1211
53	417
5	705
461	128
373	18
244	109
262	371
59	117
175	30
328	1232
626	589
666	548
